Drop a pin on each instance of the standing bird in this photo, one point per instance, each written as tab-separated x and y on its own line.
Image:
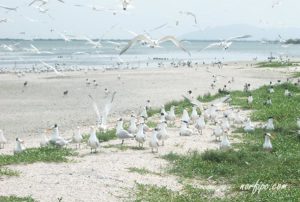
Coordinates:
162	133
287	93
298	123
194	114
121	132
225	144
270	125
200	124
140	136
249	127
218	132
93	141
267	143
66	93
3	140
77	137
250	99
19	147
171	115
185	116
25	84
132	127
154	141
56	139
184	130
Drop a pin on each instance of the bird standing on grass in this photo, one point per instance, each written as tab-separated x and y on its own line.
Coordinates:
19	147
267	143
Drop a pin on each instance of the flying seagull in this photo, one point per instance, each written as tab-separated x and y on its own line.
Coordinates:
102	118
154	43
53	68
225	44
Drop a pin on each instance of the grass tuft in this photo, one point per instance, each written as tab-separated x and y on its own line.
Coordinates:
33	155
8	172
276	64
16	199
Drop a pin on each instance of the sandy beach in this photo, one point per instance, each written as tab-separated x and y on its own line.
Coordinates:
105	176
26	110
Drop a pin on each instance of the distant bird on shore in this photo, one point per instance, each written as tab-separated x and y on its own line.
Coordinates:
66	93
225	44
25	83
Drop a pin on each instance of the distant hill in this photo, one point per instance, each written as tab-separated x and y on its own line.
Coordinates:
235	30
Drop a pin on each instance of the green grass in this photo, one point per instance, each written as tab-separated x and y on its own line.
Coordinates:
151	124
16	199
33	155
8	172
276	64
107	136
296	75
248	162
150	193
208	97
103	136
151	112
142	171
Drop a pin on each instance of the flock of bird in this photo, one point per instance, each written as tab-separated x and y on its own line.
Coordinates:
217	116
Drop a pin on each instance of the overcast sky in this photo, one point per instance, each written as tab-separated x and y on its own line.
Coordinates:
145	15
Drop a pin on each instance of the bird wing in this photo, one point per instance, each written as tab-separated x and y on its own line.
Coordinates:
239	37
212	45
95	107
34	48
193	15
175	42
194	102
107	108
140	37
53	68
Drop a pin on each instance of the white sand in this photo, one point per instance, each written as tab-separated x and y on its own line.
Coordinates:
104	176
